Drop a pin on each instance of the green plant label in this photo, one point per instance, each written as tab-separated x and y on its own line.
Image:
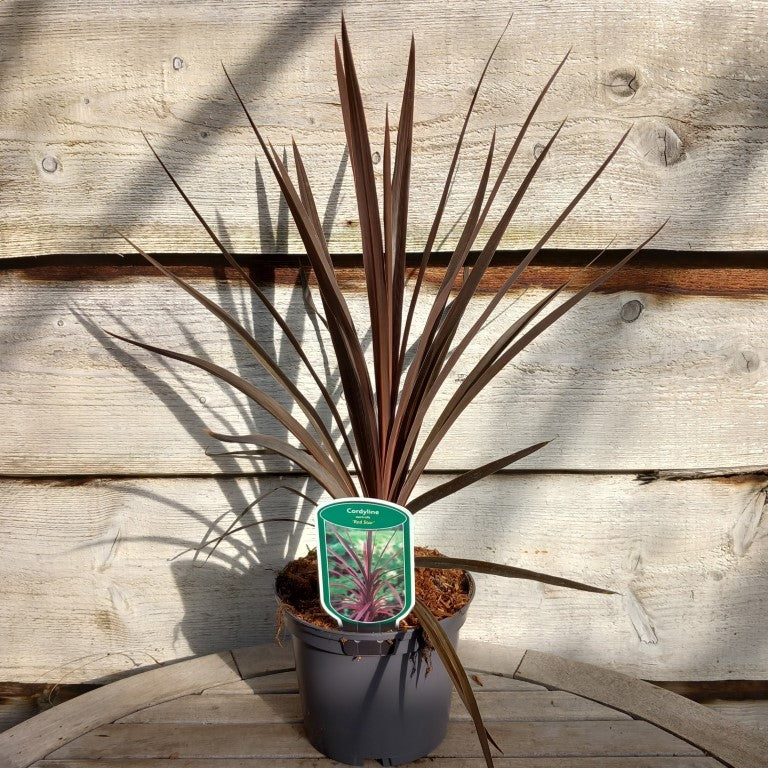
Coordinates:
365	562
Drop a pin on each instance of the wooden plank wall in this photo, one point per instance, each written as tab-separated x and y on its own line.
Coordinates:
655	484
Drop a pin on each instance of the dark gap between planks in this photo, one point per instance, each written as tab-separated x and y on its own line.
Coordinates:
735	274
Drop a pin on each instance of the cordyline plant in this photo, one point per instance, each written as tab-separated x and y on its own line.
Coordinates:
385	452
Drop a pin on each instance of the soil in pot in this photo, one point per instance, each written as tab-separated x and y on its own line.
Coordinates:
445	592
383	695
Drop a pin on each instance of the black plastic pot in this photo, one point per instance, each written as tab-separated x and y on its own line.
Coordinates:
368	696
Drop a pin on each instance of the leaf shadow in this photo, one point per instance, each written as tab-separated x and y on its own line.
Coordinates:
198	578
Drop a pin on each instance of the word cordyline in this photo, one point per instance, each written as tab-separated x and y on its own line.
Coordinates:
383	451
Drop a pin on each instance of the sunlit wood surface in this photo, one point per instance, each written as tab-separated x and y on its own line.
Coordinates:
80	81
243	706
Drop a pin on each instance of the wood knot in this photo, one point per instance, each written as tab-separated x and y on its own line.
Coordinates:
746	361
106	621
658	143
621	84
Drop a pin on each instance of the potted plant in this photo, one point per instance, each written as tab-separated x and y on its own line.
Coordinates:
380	695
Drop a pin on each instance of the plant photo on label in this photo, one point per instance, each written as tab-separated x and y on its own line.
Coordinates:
367	572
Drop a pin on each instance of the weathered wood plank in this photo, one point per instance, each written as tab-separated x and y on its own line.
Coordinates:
34	739
753	714
690	609
482	681
487	657
279	682
80	81
454	762
496	706
262	659
680	387
222	708
736	746
182	740
285	682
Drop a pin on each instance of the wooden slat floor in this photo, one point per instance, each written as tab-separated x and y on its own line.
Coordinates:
240	709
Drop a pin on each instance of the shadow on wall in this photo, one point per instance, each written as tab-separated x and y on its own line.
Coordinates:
224	595
221	603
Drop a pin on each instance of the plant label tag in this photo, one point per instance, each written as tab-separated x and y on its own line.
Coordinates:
365	562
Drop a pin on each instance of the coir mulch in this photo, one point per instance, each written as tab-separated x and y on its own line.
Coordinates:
443	591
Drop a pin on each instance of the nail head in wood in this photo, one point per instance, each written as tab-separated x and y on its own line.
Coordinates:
631	310
50	164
